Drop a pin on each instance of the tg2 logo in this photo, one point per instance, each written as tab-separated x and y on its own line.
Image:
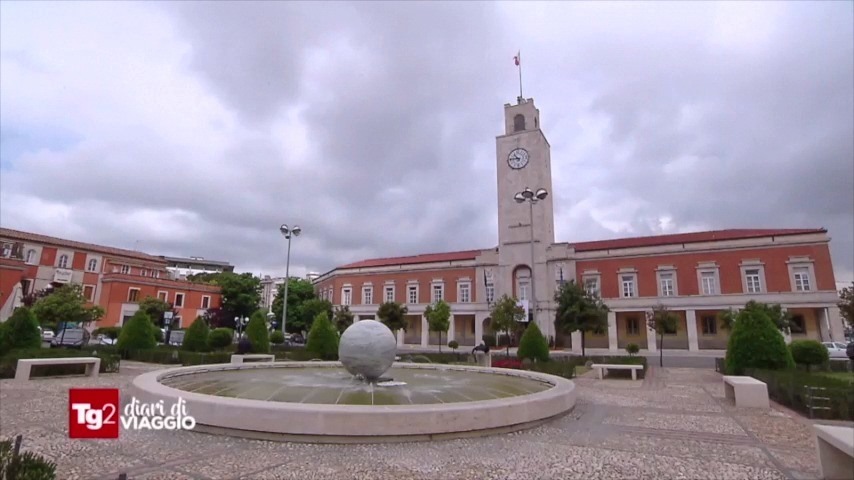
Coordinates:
93	413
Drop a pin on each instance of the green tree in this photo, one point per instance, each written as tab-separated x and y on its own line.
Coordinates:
662	320
241	293
438	318
220	338
299	292
137	334
66	304
393	315
206	278
257	333
154	308
322	338
310	308
809	353
343	318
196	338
505	317
277	337
20	331
846	304
533	344
756	342
782	319
579	310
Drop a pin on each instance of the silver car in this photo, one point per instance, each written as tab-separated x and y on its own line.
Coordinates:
835	349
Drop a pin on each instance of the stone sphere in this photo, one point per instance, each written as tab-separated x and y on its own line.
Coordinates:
367	348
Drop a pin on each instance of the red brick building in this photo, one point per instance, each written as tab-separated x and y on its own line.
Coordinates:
695	274
114	278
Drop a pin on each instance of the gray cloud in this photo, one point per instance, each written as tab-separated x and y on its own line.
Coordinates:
372	125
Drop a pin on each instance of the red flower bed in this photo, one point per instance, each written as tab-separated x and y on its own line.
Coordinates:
507	363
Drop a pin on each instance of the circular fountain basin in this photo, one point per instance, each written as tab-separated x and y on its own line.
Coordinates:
322	402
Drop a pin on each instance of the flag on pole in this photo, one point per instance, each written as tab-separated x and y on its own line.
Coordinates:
518	58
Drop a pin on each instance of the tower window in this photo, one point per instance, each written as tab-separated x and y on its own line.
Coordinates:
519	123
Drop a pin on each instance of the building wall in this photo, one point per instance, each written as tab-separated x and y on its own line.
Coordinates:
424	279
117	302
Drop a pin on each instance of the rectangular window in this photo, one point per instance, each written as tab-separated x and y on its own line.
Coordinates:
709	284
710	325
163	296
591	285
89	293
666	283
206	302
523	290
802	279
751	276
438	292
346	295
367	295
389	294
798	324
179	300
465	293
143	272
632	326
125	269
412	293
490	293
628	286
133	295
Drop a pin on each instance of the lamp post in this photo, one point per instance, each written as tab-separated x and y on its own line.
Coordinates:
288	233
528	195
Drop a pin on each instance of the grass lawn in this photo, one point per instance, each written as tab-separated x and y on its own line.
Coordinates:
838	375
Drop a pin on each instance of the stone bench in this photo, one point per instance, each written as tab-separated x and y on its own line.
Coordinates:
746	391
25	365
238	359
603	368
835	446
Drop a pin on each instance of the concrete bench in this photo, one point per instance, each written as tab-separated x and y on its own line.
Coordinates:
25	365
746	391
603	368
238	359
835	446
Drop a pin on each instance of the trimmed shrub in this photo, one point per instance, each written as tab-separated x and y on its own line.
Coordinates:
196	337
20	331
533	344
322	338
25	465
809	353
632	349
137	334
453	345
257	334
797	389
277	337
755	342
220	337
110	362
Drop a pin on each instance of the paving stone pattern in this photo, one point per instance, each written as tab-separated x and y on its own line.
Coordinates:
674	424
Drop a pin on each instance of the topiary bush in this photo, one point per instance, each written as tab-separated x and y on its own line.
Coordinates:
755	342
220	337
632	349
453	345
196	337
277	337
533	345
20	331
137	334
322	338
809	353
257	333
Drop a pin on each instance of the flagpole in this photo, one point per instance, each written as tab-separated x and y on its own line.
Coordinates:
520	77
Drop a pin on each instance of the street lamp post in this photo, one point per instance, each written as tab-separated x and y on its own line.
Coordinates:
528	195
288	233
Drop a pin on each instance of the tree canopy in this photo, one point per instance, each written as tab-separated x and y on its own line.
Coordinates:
782	319
846	304
393	315
299	292
438	319
343	318
66	304
662	321
154	308
505	316
579	310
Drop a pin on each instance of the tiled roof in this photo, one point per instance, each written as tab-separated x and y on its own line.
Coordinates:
693	237
415	259
59	242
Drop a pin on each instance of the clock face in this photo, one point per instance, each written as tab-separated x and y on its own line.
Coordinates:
518	158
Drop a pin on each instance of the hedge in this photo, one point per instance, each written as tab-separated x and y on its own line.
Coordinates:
110	362
790	388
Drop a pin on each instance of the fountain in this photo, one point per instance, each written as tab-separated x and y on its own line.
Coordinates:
365	398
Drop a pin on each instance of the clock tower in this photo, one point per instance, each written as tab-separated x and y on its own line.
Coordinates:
524	161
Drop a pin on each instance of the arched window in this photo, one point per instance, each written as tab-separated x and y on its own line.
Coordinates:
93	265
31	256
63	261
518	123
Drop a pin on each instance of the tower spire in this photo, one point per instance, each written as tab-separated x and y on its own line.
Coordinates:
518	61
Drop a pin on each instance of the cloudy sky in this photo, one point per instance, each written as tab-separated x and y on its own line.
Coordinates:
194	128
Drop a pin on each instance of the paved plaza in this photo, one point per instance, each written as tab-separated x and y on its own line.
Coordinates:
673	424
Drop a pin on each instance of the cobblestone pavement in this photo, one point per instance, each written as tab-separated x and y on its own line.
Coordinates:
674	424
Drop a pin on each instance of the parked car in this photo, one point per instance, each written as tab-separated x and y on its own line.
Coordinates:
71	338
47	335
835	349
105	340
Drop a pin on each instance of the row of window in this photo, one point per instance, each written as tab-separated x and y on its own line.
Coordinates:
710	325
753	280
133	297
464	294
92	265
